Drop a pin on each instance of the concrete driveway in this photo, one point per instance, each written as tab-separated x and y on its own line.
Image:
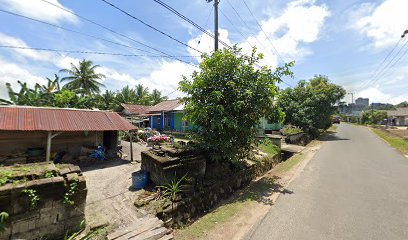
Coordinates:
356	187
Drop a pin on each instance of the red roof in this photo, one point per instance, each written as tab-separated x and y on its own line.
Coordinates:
20	118
135	109
165	106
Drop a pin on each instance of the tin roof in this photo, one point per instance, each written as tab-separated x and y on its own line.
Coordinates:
23	118
167	105
399	112
135	109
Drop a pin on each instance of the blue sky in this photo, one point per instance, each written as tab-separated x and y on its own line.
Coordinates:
345	40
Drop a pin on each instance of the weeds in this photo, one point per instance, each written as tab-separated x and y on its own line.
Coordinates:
33	196
73	187
3	221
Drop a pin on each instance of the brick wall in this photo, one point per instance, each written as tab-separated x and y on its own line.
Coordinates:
52	217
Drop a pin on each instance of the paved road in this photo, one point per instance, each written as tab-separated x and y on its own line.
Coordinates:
355	187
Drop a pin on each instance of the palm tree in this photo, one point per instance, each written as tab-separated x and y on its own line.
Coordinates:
83	79
157	97
142	95
126	95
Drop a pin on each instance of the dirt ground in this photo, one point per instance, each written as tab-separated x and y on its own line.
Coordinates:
400	132
110	196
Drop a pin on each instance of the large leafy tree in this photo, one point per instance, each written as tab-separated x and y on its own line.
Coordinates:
311	103
82	78
227	98
142	95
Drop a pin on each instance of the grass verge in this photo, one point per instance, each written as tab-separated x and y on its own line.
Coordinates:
242	201
269	148
395	142
287	165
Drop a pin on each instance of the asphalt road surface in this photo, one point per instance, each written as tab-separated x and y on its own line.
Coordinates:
355	187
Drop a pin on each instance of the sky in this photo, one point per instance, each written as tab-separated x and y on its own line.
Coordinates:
356	43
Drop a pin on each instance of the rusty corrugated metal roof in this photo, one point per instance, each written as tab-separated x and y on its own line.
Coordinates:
21	118
135	109
165	106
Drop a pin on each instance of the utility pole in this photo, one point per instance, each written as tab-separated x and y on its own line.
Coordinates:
352	97
216	2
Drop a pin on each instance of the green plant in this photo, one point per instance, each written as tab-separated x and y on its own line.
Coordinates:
287	131
5	177
73	236
33	196
174	188
3	220
310	104
71	191
49	174
226	99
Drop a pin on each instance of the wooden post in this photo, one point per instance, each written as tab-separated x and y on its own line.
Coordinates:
131	146
50	136
48	153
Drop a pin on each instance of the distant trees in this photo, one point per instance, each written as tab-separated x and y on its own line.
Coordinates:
311	103
373	117
81	90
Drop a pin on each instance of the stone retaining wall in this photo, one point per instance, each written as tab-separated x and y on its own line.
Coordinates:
51	217
199	202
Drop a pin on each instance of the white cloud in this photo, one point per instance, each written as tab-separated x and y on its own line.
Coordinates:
40	10
167	77
384	24
12	73
301	22
205	43
16	42
376	95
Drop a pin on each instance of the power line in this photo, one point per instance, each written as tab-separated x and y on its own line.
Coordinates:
150	26
205	25
378	74
246	25
90	52
113	31
85	34
266	35
189	21
229	20
390	64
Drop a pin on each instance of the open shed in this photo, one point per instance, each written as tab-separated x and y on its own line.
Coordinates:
57	129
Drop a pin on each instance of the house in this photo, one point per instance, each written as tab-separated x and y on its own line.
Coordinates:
398	117
135	114
56	129
168	115
266	127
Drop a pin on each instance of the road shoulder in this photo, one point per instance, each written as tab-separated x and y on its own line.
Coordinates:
236	217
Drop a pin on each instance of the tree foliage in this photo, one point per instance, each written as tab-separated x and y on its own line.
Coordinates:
81	91
311	103
373	117
82	78
227	98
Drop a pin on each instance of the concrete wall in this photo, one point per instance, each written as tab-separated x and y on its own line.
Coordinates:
51	218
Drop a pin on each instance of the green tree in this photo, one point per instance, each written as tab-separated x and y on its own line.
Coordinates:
156	97
142	95
402	104
107	101
310	104
83	79
227	98
373	117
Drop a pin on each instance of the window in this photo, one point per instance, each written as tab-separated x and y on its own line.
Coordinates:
158	121
168	122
